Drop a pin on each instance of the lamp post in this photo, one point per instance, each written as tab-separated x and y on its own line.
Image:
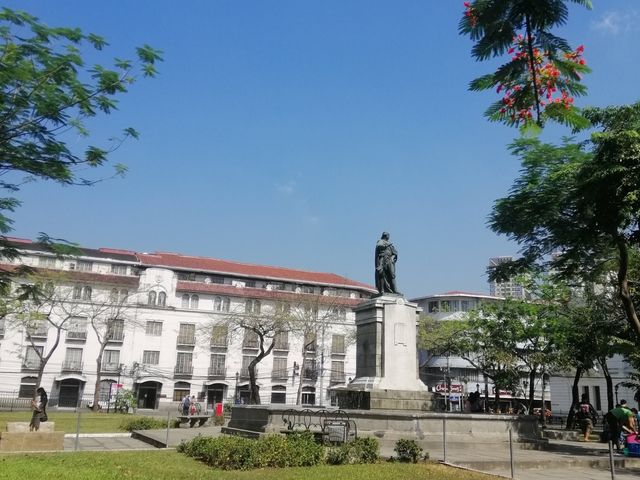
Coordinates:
616	390
235	395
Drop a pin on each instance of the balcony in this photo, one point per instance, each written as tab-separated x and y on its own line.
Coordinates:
337	350
110	367
244	373
279	375
31	365
219	342
310	374
79	336
337	378
115	337
250	343
38	335
283	346
183	370
71	366
186	340
218	371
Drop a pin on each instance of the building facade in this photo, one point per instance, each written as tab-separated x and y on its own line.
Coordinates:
509	288
167	325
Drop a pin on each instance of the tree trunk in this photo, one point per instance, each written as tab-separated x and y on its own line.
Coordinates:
574	399
254	391
623	288
96	389
532	388
607	377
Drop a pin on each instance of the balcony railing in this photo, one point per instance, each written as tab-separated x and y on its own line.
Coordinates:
244	373
72	366
116	337
110	367
337	378
250	343
38	335
220	342
279	374
76	335
281	346
30	365
189	340
183	369
218	371
337	350
309	374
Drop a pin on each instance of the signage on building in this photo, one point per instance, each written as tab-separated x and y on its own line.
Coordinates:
455	388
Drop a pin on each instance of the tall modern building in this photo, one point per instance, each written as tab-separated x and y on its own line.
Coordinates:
166	325
504	289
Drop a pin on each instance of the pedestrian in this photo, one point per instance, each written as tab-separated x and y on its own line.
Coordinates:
586	416
39	406
193	408
186	402
619	418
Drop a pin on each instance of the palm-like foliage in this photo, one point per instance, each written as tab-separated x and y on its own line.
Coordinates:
543	75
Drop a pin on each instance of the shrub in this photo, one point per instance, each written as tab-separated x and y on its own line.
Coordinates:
360	450
408	450
217	420
236	453
143	423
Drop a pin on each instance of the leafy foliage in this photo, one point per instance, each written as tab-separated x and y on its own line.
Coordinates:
143	423
408	450
48	92
360	450
543	75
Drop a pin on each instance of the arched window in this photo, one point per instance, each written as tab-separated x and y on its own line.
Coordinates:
278	394
77	292
217	304
106	389
27	387
86	293
152	298
162	299
185	301
180	390
194	301
308	395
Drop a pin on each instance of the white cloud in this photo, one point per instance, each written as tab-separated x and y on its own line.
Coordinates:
288	188
617	22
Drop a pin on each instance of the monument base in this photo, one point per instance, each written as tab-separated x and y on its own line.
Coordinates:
18	438
385	399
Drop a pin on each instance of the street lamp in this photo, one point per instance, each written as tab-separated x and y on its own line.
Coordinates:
235	395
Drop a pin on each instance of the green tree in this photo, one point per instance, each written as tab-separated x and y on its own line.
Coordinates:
576	210
48	92
542	77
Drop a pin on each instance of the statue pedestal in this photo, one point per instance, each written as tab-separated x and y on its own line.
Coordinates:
386	361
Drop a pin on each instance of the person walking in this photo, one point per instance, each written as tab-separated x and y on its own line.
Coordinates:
619	418
39	406
186	402
586	416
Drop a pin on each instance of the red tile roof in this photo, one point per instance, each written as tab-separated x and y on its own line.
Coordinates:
76	276
232	291
212	265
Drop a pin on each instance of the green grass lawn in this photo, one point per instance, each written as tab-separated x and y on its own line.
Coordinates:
90	422
170	464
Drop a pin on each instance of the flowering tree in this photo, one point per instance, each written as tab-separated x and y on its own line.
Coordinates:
542	77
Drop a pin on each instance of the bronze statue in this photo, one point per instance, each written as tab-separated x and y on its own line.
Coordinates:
386	256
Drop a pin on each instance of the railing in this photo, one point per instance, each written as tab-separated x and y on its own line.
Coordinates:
309	374
183	369
329	426
250	343
189	340
219	342
217	371
38	335
71	366
30	366
281	346
338	350
279	374
108	367
76	335
116	337
337	378
244	372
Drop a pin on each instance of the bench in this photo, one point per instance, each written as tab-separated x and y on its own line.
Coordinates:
193	419
327	426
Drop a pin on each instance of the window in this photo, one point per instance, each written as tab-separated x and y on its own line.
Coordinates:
433	307
279	371
311	311
77	292
445	306
217	365
219	335
310	342
337	372
118	269
307	289
84	266
250	283
465	305
308	395
309	369
158	298
246	360
221	304
27	387
111	361
77	328
154	328
339	313
162	299
115	330
37	328
283	308
86	293
151	298
250	339
32	357
337	344
73	360
151	357
185	301
194	302
181	390
252	306
105	389
47	262
190	277
596	394
184	363
187	334
281	341
278	394
585	392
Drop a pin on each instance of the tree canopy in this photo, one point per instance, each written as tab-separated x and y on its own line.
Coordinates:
47	93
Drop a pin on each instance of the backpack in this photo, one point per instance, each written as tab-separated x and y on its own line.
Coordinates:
583	412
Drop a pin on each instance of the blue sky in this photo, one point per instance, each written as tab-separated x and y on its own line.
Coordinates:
292	133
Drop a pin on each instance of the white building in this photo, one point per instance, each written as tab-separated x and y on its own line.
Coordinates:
465	378
169	334
509	288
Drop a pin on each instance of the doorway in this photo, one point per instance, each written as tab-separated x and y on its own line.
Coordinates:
215	394
149	394
69	392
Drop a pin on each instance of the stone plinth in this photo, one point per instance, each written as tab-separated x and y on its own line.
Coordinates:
386	360
18	438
